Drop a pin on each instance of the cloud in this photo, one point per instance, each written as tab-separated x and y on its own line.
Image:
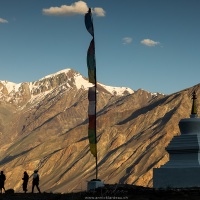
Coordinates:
127	40
150	43
3	20
99	12
79	7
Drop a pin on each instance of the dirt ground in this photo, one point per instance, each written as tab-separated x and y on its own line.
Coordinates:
117	192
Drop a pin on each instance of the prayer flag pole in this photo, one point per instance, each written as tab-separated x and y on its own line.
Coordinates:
92	96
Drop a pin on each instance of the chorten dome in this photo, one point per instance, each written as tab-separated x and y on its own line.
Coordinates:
191	125
183	168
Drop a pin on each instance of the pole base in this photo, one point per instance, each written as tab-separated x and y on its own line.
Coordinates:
94	184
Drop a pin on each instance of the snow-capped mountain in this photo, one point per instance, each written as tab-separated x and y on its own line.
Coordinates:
25	92
44	125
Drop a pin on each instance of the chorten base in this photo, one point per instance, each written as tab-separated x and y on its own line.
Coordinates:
94	184
176	177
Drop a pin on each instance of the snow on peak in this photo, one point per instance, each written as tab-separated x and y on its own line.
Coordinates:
117	90
81	82
11	86
39	89
153	93
57	73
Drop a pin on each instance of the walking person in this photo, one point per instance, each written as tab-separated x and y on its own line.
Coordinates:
2	181
36	180
25	181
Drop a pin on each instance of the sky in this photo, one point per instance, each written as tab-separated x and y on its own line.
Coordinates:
141	44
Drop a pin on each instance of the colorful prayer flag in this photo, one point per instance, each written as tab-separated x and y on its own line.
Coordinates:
91	64
92	108
92	94
92	141
89	23
92	122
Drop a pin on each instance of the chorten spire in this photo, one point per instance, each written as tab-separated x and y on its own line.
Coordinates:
194	106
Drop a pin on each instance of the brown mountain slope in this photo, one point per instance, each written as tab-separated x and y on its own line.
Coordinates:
51	135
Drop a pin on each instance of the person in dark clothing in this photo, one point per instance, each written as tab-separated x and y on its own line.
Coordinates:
2	181
36	180
25	181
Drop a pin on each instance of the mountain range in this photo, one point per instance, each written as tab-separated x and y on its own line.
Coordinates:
44	125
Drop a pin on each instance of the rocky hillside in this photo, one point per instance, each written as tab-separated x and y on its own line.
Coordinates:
43	125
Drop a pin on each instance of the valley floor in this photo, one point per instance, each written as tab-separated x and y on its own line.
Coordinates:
117	192
132	192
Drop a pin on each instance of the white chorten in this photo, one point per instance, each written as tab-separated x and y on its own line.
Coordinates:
183	168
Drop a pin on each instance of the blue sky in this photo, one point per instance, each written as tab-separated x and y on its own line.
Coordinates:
148	44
